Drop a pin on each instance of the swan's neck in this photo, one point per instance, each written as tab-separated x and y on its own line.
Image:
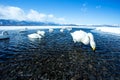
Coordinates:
92	42
90	37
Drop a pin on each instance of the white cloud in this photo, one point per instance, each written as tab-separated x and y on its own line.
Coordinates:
50	16
16	13
61	19
36	16
9	12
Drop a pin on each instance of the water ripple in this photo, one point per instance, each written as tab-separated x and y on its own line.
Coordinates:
56	57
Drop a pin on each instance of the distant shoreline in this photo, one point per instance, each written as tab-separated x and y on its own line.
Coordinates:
28	27
113	30
38	27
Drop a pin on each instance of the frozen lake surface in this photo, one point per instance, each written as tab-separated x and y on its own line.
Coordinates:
56	57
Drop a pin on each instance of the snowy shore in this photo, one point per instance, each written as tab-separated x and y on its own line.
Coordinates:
115	30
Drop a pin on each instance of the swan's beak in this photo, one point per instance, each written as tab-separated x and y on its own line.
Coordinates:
93	49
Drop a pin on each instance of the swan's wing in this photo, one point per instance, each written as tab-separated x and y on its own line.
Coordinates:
76	36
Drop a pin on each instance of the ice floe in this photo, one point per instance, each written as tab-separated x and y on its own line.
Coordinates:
115	30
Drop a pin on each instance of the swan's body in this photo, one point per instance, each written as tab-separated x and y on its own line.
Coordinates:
34	35
65	28
4	35
51	30
61	30
39	34
85	38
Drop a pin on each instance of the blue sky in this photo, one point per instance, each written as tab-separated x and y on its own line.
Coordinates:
62	11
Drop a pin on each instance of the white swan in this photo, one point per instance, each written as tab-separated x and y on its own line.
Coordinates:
51	30
34	35
85	38
61	30
4	35
39	34
42	33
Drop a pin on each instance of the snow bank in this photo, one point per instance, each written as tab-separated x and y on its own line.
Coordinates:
102	29
28	27
115	30
40	27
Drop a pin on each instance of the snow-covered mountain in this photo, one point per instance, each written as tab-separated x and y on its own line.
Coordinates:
4	22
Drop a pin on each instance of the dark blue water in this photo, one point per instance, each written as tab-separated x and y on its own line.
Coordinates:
56	57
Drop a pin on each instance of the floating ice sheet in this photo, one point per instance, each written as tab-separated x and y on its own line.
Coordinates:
115	30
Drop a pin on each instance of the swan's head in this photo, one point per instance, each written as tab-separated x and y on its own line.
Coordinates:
93	46
92	42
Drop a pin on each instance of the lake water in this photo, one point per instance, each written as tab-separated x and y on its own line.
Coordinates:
57	57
